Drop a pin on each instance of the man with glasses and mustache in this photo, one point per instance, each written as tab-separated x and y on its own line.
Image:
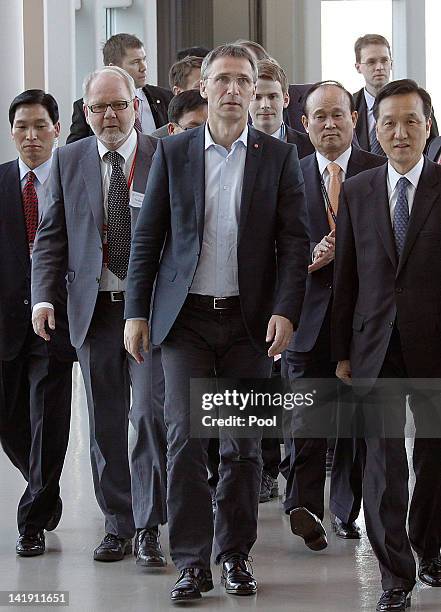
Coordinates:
222	200
373	60
97	188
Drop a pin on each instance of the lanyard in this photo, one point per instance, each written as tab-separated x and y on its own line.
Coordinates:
132	169
327	201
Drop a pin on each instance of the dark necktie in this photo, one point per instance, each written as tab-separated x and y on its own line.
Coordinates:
374	144
401	214
118	218
30	206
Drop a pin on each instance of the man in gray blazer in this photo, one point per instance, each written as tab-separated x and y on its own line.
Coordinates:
96	190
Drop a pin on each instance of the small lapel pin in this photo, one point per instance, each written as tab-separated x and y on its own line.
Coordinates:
256	146
158	101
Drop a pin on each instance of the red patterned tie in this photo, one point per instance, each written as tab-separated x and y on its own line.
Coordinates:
30	205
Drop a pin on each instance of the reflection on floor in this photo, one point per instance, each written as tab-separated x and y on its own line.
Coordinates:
342	578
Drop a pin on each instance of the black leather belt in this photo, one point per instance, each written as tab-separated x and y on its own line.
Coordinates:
111	296
209	302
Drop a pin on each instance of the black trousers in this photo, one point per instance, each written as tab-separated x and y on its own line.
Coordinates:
35	407
131	493
202	342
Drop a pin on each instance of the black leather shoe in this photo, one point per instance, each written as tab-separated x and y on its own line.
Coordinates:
269	488
309	527
429	571
30	545
394	600
112	548
148	551
348	531
56	516
237	576
191	583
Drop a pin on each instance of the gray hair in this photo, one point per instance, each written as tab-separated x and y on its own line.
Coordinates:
229	50
110	70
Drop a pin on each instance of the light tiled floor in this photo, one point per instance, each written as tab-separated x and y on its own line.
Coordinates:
343	578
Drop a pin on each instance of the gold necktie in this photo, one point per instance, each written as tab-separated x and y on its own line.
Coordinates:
334	187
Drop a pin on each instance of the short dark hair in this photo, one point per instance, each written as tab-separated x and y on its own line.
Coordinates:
369	39
400	87
115	48
183	103
319	84
35	96
179	71
228	50
254	47
196	51
272	71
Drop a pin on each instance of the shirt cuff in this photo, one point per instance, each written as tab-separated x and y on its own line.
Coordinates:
42	305
137	319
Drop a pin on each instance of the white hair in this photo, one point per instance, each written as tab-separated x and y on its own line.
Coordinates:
109	70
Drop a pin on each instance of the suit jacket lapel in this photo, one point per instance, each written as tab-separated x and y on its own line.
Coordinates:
252	162
196	155
143	162
14	215
316	205
426	194
379	195
91	170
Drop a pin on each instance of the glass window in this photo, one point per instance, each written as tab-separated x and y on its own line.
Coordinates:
433	82
342	22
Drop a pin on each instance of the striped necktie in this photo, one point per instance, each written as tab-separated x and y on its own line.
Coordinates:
401	214
30	207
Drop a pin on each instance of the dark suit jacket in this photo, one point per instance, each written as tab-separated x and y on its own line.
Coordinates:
294	111
434	149
362	128
301	140
157	97
15	276
272	217
69	238
319	283
372	288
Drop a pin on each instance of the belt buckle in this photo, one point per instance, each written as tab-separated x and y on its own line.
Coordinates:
215	306
116	296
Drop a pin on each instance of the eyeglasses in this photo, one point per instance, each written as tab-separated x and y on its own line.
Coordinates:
118	105
223	81
384	61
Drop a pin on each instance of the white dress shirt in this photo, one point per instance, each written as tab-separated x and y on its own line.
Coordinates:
216	273
145	113
392	179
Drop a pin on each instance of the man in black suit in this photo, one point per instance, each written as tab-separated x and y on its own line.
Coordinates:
329	119
97	188
35	377
386	321
214	193
127	52
373	60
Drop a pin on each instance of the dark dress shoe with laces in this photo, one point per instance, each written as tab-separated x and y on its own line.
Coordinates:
237	577
429	571
191	583
30	545
394	600
309	527
56	516
112	548
148	551
348	531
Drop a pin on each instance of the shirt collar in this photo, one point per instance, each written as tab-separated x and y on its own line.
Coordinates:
280	132
41	172
413	175
370	99
139	93
209	142
342	161
126	149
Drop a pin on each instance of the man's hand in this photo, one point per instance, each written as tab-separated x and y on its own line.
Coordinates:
324	252
280	332
343	371
39	318
136	337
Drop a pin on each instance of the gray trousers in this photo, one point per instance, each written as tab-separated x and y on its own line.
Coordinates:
202	342
131	493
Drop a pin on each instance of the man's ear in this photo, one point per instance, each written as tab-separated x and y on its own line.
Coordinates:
170	128
57	127
203	89
286	100
305	123
86	113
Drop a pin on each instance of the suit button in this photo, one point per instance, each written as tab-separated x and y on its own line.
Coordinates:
399	289
26	302
329	286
